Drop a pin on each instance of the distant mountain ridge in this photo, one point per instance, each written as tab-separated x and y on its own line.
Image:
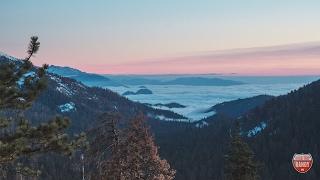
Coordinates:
201	81
88	79
187	81
92	79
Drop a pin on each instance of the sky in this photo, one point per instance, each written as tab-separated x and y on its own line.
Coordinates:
167	36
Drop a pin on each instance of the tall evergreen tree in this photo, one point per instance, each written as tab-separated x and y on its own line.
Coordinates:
240	164
105	140
136	156
18	137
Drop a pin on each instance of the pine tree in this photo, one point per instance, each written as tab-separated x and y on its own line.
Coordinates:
18	137
136	156
105	141
240	164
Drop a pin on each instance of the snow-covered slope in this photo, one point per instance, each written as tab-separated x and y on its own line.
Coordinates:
4	56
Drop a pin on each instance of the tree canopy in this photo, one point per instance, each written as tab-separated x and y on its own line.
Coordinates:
20	84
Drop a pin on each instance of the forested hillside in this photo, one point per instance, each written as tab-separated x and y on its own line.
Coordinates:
275	130
292	126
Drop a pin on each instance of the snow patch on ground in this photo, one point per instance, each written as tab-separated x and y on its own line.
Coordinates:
164	118
202	124
20	82
80	85
67	107
93	98
62	87
257	129
55	78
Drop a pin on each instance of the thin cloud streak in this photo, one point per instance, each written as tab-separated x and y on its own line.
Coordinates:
294	59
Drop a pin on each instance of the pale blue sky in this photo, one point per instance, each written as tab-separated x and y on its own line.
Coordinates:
86	34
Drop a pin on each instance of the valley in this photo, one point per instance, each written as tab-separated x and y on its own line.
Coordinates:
197	99
159	90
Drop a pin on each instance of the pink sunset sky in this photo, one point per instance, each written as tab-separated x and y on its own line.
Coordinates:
267	37
295	59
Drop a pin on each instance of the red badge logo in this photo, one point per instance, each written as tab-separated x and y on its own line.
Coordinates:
302	162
